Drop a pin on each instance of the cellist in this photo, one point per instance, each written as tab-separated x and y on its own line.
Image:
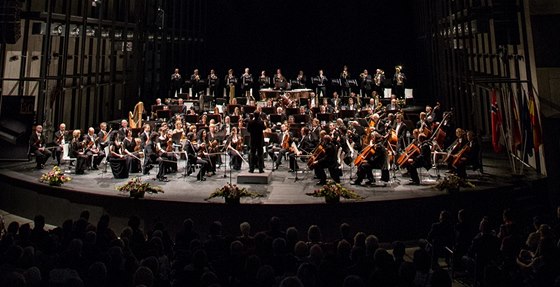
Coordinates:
423	159
375	157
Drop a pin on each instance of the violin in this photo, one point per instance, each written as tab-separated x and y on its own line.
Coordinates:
286	142
169	146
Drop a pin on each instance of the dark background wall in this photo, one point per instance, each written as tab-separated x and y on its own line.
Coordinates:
309	35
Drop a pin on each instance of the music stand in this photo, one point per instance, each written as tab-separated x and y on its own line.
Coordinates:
249	109
241	101
315	110
275	118
221	101
175	109
280	85
324	117
363	122
164	114
234	119
292	111
363	113
231	108
216	117
268	110
200	127
315	80
336	82
301	118
346	114
192	119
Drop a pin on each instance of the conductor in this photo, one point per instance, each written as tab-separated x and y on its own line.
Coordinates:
255	128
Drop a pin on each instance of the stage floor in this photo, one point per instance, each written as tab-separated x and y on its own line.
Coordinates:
283	188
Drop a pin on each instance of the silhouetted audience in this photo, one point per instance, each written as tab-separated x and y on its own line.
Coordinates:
81	254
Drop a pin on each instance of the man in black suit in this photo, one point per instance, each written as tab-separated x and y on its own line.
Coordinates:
59	141
421	160
328	160
37	146
401	129
255	128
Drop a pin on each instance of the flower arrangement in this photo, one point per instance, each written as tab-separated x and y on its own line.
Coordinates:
137	188
453	182
232	193
55	177
332	192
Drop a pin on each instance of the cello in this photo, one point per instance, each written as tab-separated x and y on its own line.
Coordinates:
319	151
410	151
364	154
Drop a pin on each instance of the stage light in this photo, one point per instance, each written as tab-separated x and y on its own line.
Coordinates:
90	32
57	30
129	35
95	3
75	31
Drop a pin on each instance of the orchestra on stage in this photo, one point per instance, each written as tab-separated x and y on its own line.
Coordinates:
293	123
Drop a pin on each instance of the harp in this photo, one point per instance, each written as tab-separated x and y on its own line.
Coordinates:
135	117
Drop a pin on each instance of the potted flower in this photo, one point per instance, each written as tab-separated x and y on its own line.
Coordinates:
55	177
332	192
232	193
137	189
452	183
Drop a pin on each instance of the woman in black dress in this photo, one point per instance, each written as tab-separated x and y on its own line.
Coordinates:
77	151
119	161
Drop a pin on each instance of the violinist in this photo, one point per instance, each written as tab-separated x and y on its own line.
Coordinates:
401	129
235	148
103	136
376	157
328	160
76	150
37	146
213	142
132	151
315	130
145	135
151	156
123	128
423	159
169	155
119	161
59	141
94	153
193	156
204	144
284	148
178	132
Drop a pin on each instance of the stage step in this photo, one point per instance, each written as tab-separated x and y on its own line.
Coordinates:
258	178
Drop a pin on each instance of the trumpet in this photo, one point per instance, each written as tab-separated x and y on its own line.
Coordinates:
362	75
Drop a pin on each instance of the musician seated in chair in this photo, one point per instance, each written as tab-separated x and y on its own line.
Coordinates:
119	161
326	160
286	139
468	157
423	159
132	149
37	146
94	152
59	141
77	150
192	149
152	156
375	159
